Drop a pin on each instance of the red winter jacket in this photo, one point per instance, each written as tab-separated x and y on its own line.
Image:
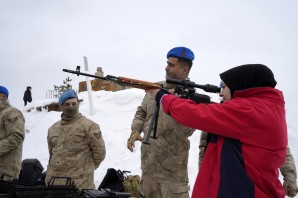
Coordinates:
247	144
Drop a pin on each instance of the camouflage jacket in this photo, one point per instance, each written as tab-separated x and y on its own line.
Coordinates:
288	170
166	157
76	149
12	134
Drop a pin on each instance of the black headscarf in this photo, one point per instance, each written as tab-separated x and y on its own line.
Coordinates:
248	76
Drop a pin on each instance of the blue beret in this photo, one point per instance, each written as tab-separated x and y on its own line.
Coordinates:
67	95
181	52
4	90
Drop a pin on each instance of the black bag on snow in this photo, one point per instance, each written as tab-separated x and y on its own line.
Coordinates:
5	186
113	180
31	173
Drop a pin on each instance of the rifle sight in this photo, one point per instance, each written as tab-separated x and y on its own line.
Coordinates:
190	84
186	89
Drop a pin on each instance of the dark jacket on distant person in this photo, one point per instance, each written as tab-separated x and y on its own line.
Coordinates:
27	95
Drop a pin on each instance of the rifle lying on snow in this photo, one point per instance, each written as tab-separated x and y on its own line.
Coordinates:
14	190
184	89
17	189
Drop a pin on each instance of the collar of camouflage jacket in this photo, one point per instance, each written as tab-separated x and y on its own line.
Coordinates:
65	120
3	104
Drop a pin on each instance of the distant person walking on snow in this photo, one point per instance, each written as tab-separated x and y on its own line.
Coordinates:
27	95
12	135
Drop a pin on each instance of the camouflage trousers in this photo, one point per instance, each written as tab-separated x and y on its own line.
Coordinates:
151	187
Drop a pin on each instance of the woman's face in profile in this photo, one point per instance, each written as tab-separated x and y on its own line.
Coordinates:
225	92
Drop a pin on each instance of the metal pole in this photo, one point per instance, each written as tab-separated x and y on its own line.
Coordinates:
88	83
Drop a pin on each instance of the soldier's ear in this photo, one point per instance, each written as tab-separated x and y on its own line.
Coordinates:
186	70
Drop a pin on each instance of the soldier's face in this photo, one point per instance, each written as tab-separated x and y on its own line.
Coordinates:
3	97
175	70
70	107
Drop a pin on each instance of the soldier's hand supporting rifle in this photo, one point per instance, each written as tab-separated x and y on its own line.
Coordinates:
135	136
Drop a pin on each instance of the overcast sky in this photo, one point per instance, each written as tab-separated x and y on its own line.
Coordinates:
39	38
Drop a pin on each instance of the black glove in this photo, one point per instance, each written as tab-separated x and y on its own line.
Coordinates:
159	95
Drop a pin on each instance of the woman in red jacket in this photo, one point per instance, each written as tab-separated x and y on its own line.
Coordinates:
248	134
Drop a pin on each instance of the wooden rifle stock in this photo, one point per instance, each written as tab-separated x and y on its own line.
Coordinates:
138	83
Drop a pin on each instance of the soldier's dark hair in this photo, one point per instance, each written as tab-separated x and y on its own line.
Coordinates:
185	61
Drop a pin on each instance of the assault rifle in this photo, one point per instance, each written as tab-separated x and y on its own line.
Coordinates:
184	89
123	81
69	190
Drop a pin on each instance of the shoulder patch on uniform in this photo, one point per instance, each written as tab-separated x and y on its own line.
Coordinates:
98	135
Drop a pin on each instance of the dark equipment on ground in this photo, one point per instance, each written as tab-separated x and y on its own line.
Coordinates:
117	180
31	184
17	190
31	173
113	180
104	193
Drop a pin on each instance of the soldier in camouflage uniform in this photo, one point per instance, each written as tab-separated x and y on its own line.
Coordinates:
164	161
76	145
12	134
288	170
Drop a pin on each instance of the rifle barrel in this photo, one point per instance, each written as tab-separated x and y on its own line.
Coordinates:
187	83
83	74
123	81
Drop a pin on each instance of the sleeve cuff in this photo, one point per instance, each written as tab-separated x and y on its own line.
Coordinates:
159	95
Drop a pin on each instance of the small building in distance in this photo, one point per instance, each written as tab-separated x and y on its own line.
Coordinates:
99	84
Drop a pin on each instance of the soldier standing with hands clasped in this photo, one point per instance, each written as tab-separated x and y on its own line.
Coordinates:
76	145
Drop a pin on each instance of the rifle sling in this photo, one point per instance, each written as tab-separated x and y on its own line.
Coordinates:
153	124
